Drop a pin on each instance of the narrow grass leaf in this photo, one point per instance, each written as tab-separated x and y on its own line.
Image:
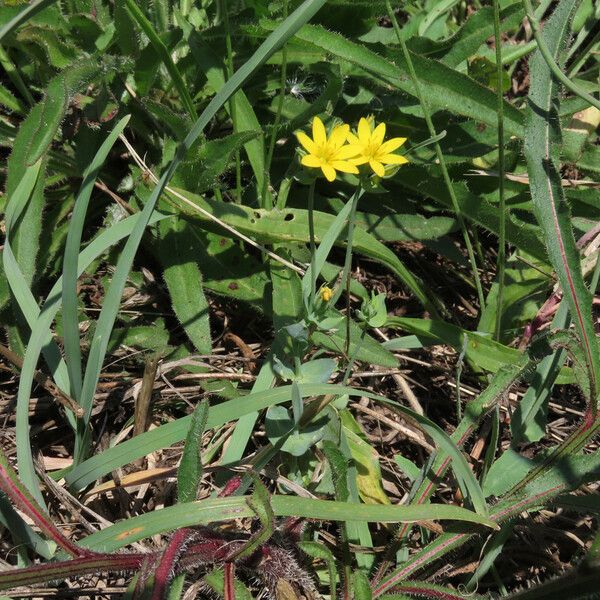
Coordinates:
163	436
137	14
236	507
177	254
71	254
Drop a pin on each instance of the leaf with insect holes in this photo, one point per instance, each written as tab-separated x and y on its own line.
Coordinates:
291	225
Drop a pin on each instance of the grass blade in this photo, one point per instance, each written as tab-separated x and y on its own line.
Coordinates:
136	12
236	507
73	243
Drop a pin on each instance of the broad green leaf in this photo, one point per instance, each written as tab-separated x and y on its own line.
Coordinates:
483	351
280	425
158	45
212	66
287	295
519	232
201	173
366	459
35	135
23	16
53	48
447	89
177	253
229	271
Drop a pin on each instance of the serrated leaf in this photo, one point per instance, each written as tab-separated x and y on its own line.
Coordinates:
190	469
212	160
542	150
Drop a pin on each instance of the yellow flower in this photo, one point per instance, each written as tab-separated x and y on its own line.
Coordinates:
326	293
328	153
369	147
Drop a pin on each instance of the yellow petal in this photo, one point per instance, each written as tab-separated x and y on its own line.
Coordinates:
377	168
364	132
347	151
308	144
391	145
393	159
328	171
353	140
319	133
338	135
378	134
359	160
344	166
311	161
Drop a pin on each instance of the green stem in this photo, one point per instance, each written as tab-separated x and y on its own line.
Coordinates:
346	273
311	235
438	151
501	260
354	355
547	56
232	104
267	199
15	76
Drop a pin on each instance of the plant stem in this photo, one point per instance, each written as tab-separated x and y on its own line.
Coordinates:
501	260
13	74
547	56
438	151
232	104
347	272
354	354
311	235
267	199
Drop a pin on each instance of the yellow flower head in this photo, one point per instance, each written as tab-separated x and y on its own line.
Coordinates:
326	293
369	147
328	153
